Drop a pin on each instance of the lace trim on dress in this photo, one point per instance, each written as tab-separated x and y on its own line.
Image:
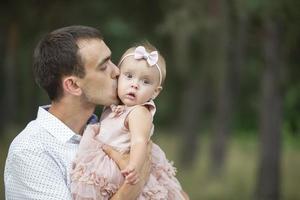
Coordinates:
104	187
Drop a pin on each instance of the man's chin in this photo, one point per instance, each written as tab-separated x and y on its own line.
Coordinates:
113	100
116	101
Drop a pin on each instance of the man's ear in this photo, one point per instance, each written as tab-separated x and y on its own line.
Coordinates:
156	92
70	85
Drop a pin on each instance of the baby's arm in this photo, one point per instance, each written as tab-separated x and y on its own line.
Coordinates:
128	191
139	124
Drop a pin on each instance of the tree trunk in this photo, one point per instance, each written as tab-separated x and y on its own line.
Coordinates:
192	107
2	47
190	104
10	79
224	90
268	183
234	43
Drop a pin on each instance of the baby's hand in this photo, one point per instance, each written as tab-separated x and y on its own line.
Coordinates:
131	175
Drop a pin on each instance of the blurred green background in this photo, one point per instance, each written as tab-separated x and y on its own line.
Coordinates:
229	113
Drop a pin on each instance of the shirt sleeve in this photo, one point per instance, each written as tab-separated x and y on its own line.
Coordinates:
34	175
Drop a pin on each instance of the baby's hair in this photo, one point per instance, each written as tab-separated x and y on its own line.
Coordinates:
149	48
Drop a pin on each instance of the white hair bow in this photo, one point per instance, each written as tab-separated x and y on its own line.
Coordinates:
141	53
151	58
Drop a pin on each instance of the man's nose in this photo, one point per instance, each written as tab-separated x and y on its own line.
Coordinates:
115	71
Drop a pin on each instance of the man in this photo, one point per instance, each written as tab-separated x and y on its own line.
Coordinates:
73	65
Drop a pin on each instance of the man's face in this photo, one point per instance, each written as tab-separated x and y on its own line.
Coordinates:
99	85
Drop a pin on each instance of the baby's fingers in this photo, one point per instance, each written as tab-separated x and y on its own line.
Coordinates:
136	181
132	178
124	173
127	171
132	182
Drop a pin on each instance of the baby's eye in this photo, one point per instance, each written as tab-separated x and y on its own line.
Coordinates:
146	81
128	75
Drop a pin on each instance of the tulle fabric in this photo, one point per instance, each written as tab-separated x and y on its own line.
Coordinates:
95	176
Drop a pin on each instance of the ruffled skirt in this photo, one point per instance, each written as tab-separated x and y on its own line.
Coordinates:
95	176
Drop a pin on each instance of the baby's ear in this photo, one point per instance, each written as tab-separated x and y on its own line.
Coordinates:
156	92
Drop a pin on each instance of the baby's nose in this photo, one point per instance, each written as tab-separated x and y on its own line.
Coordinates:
135	85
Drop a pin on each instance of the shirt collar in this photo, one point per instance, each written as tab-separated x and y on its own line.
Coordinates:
56	127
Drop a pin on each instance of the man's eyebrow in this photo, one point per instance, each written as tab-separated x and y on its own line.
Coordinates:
105	60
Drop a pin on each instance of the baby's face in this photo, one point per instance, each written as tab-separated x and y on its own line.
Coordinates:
138	82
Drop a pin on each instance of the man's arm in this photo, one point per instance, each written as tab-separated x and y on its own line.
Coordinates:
34	175
128	191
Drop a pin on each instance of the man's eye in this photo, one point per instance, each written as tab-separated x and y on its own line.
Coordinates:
103	67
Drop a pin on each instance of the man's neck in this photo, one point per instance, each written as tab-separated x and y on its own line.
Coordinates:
73	114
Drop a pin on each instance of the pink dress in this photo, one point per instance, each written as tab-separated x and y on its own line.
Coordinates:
96	176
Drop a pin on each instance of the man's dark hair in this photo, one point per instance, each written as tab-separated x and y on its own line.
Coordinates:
56	55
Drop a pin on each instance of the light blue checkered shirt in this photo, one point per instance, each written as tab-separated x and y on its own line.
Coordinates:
40	158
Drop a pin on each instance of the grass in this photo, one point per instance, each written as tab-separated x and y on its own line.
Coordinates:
239	175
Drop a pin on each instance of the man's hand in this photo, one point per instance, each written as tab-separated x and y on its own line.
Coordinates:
121	160
128	191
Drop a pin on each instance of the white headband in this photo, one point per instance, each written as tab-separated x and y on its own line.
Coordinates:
151	58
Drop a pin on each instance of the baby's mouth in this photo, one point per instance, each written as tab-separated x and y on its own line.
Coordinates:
131	95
